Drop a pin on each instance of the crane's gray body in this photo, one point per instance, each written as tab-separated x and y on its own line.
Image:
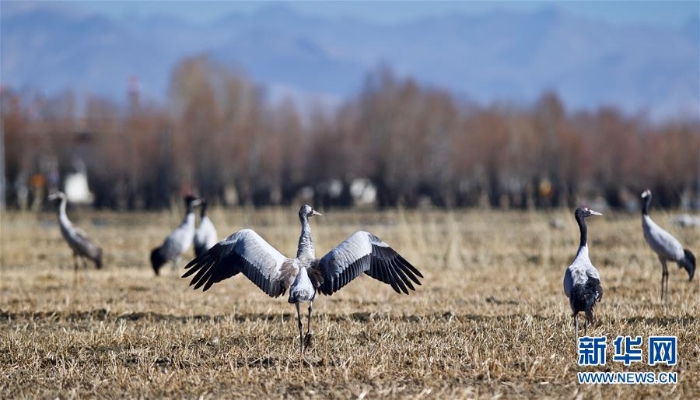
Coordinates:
178	242
662	242
579	272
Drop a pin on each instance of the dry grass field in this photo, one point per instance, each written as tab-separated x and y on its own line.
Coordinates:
490	320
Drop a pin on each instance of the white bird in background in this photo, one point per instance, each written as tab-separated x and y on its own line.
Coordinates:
205	237
83	248
581	280
179	241
245	251
665	246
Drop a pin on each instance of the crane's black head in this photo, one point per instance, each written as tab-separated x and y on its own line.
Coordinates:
306	212
583	212
191	199
689	263
157	260
56	196
98	259
190	202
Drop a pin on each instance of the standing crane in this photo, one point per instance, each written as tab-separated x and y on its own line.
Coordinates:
248	253
666	246
83	248
581	280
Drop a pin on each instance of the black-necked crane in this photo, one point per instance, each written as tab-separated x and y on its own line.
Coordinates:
581	280
666	246
179	241
83	248
205	237
248	253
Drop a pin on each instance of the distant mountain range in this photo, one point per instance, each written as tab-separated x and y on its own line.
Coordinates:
499	56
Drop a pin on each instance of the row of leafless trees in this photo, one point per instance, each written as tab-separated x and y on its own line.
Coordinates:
219	137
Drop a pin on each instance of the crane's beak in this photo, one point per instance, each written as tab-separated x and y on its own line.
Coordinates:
314	212
53	196
594	212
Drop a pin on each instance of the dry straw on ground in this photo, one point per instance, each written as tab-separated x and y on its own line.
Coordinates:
490	319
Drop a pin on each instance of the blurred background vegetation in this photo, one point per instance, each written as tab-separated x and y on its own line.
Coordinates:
396	142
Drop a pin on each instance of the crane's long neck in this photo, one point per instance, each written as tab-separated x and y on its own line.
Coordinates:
189	215
583	229
306	243
189	220
62	216
645	205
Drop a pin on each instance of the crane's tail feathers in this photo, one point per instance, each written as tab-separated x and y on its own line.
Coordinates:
689	263
157	260
584	297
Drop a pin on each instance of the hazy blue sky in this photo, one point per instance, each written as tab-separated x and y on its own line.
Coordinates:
659	13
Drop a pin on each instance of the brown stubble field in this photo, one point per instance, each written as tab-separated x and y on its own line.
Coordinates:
490	320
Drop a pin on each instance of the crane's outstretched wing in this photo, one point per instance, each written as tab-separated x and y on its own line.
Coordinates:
364	252
244	251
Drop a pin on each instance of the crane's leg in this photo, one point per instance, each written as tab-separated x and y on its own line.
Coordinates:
667	291
664	280
75	268
301	339
86	267
576	327
307	338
